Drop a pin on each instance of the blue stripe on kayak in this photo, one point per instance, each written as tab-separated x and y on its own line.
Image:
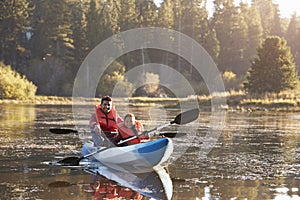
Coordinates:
153	145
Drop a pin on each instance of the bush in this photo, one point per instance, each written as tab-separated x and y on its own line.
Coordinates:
231	81
15	86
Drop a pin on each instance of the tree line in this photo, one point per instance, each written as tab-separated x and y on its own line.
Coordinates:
47	40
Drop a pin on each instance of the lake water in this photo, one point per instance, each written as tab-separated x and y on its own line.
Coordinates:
256	156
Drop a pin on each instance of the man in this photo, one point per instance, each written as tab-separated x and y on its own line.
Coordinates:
104	120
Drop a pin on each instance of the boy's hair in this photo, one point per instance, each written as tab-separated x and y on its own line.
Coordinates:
129	115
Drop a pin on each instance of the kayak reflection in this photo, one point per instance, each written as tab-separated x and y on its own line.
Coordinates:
103	188
113	184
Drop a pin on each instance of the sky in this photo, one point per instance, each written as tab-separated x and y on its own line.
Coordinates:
286	7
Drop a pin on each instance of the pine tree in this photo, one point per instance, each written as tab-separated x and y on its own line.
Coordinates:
109	23
254	35
276	27
14	19
211	44
52	34
128	15
232	34
78	27
273	70
147	15
166	17
102	21
207	35
52	47
292	37
266	9
93	17
165	20
191	18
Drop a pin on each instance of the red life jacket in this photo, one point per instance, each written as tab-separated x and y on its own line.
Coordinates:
125	132
105	191
108	122
109	191
129	194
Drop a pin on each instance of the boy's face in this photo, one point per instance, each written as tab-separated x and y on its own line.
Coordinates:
129	121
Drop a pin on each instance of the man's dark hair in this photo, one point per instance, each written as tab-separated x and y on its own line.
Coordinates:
106	98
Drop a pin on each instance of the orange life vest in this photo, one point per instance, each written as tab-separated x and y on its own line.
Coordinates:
105	191
125	132
108	122
129	194
109	191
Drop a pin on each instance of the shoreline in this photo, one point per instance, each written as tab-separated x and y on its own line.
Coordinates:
234	103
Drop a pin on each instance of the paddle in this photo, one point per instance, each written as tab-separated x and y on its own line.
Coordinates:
74	161
68	131
172	134
182	118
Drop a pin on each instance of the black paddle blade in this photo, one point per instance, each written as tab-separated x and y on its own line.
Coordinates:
62	131
70	161
186	117
172	134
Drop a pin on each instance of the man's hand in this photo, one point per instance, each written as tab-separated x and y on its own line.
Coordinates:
97	129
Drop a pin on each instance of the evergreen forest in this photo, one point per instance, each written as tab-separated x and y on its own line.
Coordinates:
47	40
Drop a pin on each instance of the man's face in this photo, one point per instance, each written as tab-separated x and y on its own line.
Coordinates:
106	106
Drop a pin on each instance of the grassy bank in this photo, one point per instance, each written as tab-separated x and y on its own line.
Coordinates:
285	101
47	100
233	101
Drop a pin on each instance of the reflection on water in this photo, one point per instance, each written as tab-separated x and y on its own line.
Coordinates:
18	118
256	156
155	184
104	188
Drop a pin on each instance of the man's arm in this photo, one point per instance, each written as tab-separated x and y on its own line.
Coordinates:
119	119
93	121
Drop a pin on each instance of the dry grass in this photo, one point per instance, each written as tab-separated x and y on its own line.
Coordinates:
234	100
50	100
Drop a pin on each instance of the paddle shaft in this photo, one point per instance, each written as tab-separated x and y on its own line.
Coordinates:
182	118
99	150
67	131
144	132
74	161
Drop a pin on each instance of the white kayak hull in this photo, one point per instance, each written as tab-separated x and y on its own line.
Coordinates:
134	158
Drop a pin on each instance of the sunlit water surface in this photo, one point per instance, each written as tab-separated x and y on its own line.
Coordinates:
255	157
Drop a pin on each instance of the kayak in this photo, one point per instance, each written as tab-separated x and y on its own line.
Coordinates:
136	158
